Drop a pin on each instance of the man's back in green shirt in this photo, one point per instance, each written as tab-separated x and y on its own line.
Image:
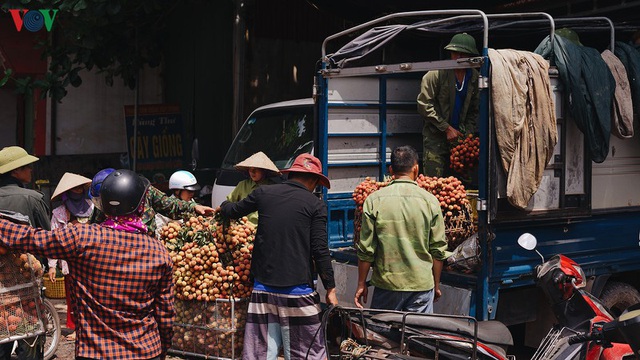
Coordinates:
402	232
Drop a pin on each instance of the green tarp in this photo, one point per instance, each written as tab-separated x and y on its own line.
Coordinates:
590	86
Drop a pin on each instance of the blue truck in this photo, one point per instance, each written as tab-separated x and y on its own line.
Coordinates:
364	104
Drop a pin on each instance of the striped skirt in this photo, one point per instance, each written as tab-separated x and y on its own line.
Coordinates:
287	322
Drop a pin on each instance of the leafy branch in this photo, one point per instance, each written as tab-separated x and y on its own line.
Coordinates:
115	37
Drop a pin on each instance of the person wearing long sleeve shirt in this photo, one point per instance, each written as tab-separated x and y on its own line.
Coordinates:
448	102
16	170
122	276
291	242
157	202
261	171
403	239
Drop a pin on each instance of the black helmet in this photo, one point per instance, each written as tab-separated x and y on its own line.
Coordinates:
122	192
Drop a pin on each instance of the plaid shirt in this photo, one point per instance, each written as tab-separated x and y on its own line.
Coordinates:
123	286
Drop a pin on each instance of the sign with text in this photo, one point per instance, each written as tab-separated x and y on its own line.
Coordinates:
159	141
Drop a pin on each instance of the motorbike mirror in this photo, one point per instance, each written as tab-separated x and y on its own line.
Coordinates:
527	241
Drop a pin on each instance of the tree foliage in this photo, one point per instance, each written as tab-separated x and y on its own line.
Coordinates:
115	37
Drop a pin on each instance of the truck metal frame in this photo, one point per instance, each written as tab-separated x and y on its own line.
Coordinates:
589	212
364	104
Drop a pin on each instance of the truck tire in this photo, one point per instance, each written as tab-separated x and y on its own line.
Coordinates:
617	296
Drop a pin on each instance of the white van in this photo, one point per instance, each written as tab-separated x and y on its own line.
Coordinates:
281	130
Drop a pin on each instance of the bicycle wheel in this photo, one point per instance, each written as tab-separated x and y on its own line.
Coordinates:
53	332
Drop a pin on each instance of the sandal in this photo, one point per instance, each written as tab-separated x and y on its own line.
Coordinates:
71	337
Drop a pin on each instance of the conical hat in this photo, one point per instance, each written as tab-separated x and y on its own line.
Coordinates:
258	160
68	182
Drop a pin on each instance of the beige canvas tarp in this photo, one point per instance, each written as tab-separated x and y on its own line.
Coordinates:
622	112
525	119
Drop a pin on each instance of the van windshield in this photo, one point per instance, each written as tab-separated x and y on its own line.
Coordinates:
282	134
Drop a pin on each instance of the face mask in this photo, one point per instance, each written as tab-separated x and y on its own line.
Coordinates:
75	196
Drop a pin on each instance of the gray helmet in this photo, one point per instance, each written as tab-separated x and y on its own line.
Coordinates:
122	192
463	43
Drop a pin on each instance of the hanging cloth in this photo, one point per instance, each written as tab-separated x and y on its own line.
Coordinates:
622	110
590	87
524	118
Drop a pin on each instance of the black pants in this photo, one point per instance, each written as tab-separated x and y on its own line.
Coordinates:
28	349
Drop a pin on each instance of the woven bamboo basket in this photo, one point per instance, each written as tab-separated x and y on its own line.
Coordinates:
54	290
459	227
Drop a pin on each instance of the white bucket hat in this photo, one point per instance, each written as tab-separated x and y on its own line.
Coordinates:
68	182
258	160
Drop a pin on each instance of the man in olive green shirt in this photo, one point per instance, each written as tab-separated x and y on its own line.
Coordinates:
448	102
402	238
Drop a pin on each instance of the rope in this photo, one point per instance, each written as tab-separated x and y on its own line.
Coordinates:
353	349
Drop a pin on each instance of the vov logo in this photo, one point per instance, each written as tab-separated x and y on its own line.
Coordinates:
33	20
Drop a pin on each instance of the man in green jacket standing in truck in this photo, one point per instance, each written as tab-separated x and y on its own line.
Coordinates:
448	102
402	238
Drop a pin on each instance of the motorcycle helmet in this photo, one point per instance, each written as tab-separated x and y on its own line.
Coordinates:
122	192
183	180
96	183
462	43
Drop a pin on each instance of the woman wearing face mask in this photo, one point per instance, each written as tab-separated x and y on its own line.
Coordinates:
75	208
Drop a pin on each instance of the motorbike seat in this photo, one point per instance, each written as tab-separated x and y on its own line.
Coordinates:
489	332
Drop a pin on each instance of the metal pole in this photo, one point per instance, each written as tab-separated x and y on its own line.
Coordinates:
552	26
478	13
239	31
135	122
135	113
609	24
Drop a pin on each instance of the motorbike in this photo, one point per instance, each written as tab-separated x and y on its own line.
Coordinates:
585	329
384	334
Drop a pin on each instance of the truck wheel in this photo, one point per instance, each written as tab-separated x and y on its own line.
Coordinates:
617	296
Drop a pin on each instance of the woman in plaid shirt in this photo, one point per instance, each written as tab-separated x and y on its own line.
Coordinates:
122	276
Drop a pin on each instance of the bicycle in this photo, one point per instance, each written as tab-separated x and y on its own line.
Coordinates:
53	331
